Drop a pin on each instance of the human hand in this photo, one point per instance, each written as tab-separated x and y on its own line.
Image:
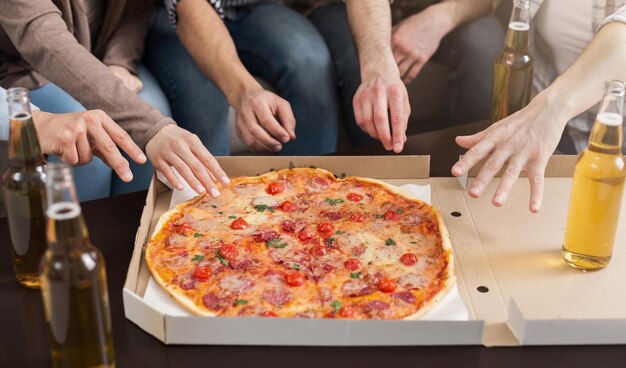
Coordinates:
415	39
77	137
382	95
264	121
173	146
131	81
523	141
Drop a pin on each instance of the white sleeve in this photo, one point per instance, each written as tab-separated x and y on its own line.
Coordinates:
618	16
4	116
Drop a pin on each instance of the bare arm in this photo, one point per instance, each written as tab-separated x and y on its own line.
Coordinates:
264	121
526	139
381	94
416	38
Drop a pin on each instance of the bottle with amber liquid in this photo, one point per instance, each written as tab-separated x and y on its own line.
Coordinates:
597	188
513	69
73	281
24	190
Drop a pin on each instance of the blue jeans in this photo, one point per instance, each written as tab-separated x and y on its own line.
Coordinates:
97	180
274	43
468	51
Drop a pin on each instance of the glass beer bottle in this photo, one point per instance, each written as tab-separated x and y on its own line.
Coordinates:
597	188
24	190
73	281
513	69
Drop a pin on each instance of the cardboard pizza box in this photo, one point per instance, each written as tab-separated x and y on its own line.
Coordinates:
509	274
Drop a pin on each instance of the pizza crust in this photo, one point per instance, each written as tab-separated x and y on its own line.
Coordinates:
448	280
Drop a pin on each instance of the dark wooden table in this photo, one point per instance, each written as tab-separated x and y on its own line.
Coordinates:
113	222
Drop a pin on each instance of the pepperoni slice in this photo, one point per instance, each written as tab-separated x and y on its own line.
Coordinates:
408	259
354	197
229	252
294	278
387	285
325	227
392	216
239	224
265	236
348	311
183	228
318	250
352	264
305	235
202	273
275	188
288	206
357	217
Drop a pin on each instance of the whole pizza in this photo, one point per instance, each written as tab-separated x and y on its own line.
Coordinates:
303	243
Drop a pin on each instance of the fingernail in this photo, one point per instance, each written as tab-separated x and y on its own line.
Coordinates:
179	186
200	188
284	139
457	169
214	192
127	176
225	179
143	158
397	148
474	191
277	148
535	207
498	200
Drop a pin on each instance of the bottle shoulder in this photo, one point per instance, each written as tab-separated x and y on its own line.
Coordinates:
601	165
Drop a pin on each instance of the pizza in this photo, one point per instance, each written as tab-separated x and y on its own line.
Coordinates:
303	243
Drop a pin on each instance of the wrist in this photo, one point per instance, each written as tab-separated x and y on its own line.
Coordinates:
445	13
383	65
243	86
551	103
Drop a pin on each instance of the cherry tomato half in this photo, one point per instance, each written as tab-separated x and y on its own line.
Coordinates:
387	285
348	311
319	250
275	188
239	224
183	228
325	227
392	216
229	252
294	278
202	273
354	197
352	264
408	259
288	206
305	235
268	314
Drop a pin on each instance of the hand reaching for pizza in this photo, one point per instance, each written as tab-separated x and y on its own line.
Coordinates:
175	147
523	141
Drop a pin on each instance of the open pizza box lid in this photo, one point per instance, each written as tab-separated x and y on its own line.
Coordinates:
509	274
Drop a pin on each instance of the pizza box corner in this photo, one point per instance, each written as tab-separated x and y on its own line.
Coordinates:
507	265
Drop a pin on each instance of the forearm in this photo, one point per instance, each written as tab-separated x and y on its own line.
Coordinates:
206	38
370	22
454	13
126	46
580	87
42	38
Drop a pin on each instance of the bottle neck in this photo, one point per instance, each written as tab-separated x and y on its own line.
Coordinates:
517	34
24	148
607	134
66	229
